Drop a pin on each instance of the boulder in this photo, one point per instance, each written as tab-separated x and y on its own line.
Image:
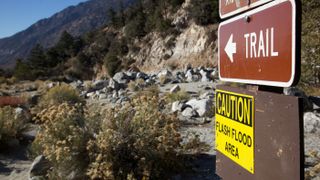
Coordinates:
39	167
205	75
207	95
311	122
177	106
204	107
190	112
189	75
141	75
76	84
99	84
102	96
113	84
121	78
315	100
175	89
164	76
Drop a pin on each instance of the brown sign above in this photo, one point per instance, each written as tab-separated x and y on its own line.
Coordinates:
232	7
259	46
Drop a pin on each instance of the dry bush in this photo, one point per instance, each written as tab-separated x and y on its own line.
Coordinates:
62	140
177	96
152	90
136	85
10	123
163	79
136	142
60	94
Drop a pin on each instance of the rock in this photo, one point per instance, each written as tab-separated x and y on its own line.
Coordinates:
34	99
99	84
39	167
22	114
102	96
189	75
293	91
115	95
177	106
175	89
50	85
205	76
215	74
141	75
91	94
189	112
316	101
192	76
164	76
204	107
114	85
311	122
207	95
76	84
30	133
121	78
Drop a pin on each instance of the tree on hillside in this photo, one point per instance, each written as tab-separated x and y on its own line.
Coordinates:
310	55
204	12
37	57
22	71
112	63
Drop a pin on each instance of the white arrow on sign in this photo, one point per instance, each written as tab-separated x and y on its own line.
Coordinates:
231	48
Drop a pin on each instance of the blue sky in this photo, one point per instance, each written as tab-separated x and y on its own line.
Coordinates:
17	15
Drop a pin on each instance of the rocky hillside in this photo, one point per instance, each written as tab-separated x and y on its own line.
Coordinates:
195	45
77	20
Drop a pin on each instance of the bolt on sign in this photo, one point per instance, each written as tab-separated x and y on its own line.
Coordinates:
259	46
235	127
228	8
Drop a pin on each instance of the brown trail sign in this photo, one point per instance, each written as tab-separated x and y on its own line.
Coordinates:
259	46
232	7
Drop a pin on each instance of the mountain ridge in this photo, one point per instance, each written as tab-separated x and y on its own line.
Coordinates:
76	20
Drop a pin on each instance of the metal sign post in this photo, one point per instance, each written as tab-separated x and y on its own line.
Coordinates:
259	131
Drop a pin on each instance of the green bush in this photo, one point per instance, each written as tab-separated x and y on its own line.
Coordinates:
177	96
112	63
10	124
61	94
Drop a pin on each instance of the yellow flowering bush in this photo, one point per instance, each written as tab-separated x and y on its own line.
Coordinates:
62	140
137	141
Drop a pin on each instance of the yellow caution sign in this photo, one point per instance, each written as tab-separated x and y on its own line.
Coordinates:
234	127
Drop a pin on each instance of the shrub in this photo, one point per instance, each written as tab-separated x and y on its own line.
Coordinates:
177	96
112	63
62	140
137	141
61	94
152	90
10	123
136	85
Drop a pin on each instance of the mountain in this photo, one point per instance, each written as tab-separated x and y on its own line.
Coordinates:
76	20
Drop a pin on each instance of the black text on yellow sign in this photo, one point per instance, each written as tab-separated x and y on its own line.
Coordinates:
235	127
